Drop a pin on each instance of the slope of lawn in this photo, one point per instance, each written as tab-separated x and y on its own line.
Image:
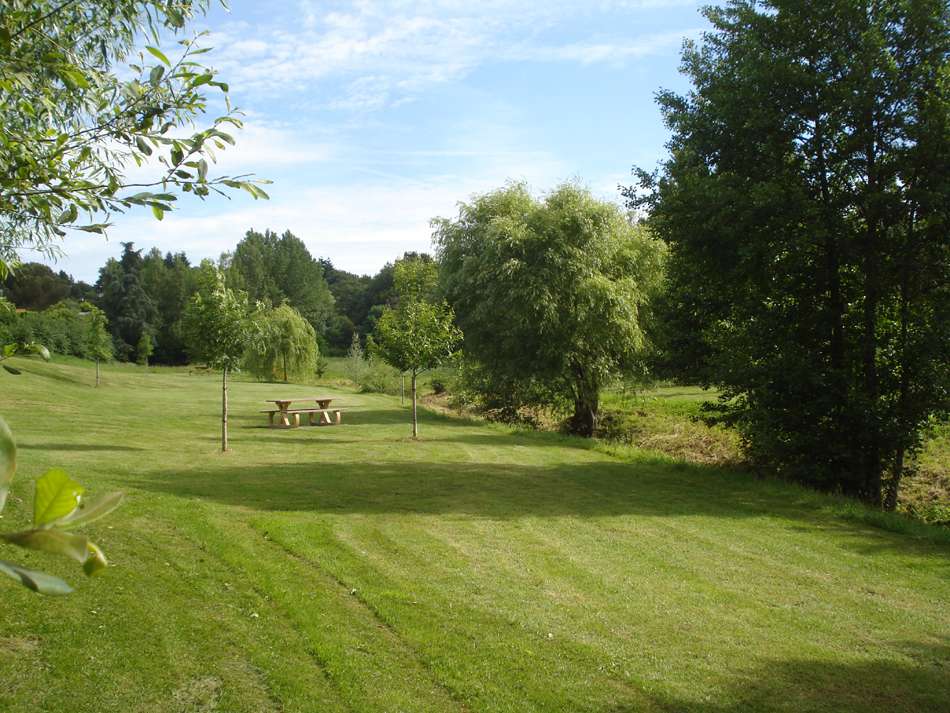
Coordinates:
351	569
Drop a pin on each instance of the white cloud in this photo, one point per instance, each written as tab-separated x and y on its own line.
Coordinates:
381	53
361	226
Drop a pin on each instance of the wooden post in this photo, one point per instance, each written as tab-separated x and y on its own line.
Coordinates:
97	371
415	419
402	389
224	410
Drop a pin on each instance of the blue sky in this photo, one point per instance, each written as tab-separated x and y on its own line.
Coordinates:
372	117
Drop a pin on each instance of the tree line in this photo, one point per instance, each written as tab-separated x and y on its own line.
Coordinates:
143	297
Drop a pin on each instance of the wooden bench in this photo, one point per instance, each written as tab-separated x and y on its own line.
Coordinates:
294	414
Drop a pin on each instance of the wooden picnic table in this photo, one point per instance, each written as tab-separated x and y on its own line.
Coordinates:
287	414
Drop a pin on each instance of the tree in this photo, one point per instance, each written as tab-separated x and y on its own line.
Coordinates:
128	307
144	349
355	365
76	108
285	345
273	269
217	331
419	334
548	294
35	286
98	339
805	202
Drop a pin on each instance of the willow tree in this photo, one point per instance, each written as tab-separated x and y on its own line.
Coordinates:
78	106
549	294
217	331
285	345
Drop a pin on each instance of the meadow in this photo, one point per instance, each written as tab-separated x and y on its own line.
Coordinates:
478	569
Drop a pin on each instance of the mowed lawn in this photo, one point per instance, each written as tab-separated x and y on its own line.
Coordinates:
351	569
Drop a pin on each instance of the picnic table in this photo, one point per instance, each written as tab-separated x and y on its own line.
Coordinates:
288	417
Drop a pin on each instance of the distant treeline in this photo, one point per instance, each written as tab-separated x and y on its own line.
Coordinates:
144	296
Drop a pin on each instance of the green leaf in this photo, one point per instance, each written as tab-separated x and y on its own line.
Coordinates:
155	76
90	512
157	211
57	495
202	170
95	560
74	77
97	228
54	541
68	215
157	53
143	146
7	460
37	581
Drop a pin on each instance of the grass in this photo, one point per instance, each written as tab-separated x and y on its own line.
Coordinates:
479	569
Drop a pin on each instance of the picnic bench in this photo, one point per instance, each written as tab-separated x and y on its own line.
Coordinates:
287	417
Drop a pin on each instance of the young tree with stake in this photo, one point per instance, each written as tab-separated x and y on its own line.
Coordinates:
217	331
419	334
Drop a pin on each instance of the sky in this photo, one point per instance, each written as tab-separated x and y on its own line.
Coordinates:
372	117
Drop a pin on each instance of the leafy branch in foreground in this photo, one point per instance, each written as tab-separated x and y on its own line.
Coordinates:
71	124
21	348
58	508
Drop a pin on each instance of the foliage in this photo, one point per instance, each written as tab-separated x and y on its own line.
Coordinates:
35	287
419	333
549	295
805	204
218	330
169	281
216	325
129	308
355	365
380	378
21	349
58	507
76	109
277	269
144	349
285	345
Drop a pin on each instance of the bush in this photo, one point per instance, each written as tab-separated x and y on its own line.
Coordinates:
379	378
438	387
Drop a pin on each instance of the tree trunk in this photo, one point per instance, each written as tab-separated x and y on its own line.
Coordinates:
872	464
97	372
836	307
224	410
586	405
415	415
285	367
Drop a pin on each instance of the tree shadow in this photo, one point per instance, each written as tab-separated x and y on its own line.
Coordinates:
74	447
920	683
397	417
485	489
42	373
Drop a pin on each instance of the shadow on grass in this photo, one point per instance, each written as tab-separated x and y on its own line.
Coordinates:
39	370
920	684
74	447
492	490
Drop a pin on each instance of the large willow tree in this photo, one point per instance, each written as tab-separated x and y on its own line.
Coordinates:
284	347
806	202
549	295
